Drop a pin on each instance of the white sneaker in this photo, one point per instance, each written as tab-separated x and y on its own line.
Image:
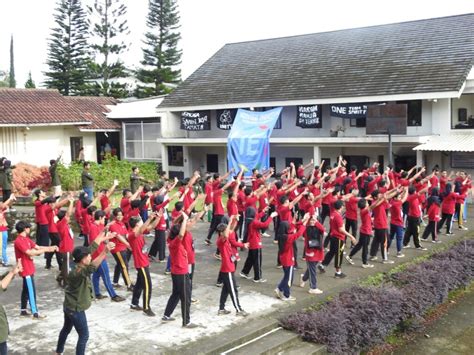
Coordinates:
287	299
421	248
400	255
407	246
278	293
349	260
302	283
387	261
266	235
373	258
315	291
367	266
245	276
463	228
436	241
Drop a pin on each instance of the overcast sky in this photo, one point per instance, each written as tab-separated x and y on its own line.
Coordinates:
206	25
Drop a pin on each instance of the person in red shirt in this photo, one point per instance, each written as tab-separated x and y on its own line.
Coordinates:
433	208
365	233
397	224
141	262
314	253
42	232
461	187
25	250
351	201
253	225
51	212
287	235
66	243
126	202
104	199
97	230
228	265
447	209
413	219
179	274
4	228
122	250
337	239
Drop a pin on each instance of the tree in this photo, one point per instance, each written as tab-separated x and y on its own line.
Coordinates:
30	84
68	49
108	26
161	55
11	77
4	79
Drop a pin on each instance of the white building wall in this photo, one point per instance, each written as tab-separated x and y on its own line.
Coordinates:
441	117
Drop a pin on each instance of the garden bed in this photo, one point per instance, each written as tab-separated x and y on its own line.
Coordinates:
362	317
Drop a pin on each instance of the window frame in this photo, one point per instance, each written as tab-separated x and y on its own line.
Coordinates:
141	141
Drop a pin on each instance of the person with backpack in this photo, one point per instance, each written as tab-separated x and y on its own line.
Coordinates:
314	253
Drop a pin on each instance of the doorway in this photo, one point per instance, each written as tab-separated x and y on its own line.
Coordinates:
296	161
212	161
356	160
76	145
107	143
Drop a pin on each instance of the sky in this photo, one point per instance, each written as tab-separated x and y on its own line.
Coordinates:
206	25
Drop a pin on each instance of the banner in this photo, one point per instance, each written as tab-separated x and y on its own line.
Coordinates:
196	120
309	116
349	110
225	118
248	144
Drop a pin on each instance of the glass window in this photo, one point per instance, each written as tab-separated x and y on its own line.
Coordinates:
151	131
462	112
152	150
133	131
175	155
413	112
140	140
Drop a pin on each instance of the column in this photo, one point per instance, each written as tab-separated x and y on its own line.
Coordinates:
164	158
419	158
317	155
187	168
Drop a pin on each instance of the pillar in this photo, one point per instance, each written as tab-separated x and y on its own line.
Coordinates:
187	168
419	158
164	158
317	155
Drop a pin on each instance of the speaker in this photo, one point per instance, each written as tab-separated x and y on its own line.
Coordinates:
462	114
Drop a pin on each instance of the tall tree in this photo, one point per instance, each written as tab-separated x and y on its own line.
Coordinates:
30	84
68	49
11	79
161	55
109	27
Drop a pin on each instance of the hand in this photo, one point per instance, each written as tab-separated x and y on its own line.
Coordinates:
110	246
53	248
274	214
246	245
140	188
185	216
116	182
17	268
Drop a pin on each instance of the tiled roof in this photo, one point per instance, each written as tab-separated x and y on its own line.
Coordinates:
95	109
425	56
49	107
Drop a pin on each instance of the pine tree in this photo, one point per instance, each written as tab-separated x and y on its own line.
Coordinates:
109	24
30	84
161	55
68	49
11	78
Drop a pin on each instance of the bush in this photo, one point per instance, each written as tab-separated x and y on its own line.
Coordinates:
27	177
364	316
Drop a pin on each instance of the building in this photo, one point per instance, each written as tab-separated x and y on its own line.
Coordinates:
37	124
426	64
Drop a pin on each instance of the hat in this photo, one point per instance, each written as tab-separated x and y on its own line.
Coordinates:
80	253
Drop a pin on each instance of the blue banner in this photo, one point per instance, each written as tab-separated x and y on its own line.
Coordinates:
248	144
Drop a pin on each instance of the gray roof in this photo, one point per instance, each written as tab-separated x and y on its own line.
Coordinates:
424	56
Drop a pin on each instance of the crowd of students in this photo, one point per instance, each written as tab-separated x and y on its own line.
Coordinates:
371	208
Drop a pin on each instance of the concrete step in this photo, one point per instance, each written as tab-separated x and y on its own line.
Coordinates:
267	344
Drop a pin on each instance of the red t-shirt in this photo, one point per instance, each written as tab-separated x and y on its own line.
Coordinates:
442	183
66	244
254	237
218	207
313	254
227	256
284	213
287	257
351	208
119	228
235	244
449	203
50	214
396	213
433	212
300	172
178	255
3	221
22	245
380	216
241	201
335	223
78	212
161	225
126	207
262	201
40	212
251	201
104	204
365	222
139	250
232	209
414	205
208	192
188	243
94	231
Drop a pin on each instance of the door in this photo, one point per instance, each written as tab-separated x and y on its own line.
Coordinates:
76	145
356	160
212	163
296	161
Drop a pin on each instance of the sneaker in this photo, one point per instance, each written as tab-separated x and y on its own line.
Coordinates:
451	234
349	260
279	267
241	313
288	299
400	255
245	276
135	307
38	316
149	312
194	300
302	283
367	266
25	314
340	275
223	312
190	326
387	261
167	272
315	291
217	256
421	248
321	268
167	319
436	241
463	228
373	258
260	281
219	284
278	293
407	246
207	242
100	297
275	242
130	288
326	250
117	286
118	298
266	235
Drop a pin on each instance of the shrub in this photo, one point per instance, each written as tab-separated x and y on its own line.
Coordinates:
364	316
27	177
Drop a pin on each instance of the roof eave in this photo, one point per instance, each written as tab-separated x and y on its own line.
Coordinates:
45	124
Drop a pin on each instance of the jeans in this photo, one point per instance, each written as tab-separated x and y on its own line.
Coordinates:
4	241
77	320
310	274
287	280
103	272
396	231
89	191
3	348
28	294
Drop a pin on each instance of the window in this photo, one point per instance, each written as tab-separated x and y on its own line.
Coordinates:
413	112
175	155
358	122
140	140
462	112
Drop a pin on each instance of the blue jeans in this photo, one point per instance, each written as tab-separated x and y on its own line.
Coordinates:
4	241
287	280
3	348
89	191
103	272
396	231
77	320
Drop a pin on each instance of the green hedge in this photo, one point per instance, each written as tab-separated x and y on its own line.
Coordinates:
105	173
